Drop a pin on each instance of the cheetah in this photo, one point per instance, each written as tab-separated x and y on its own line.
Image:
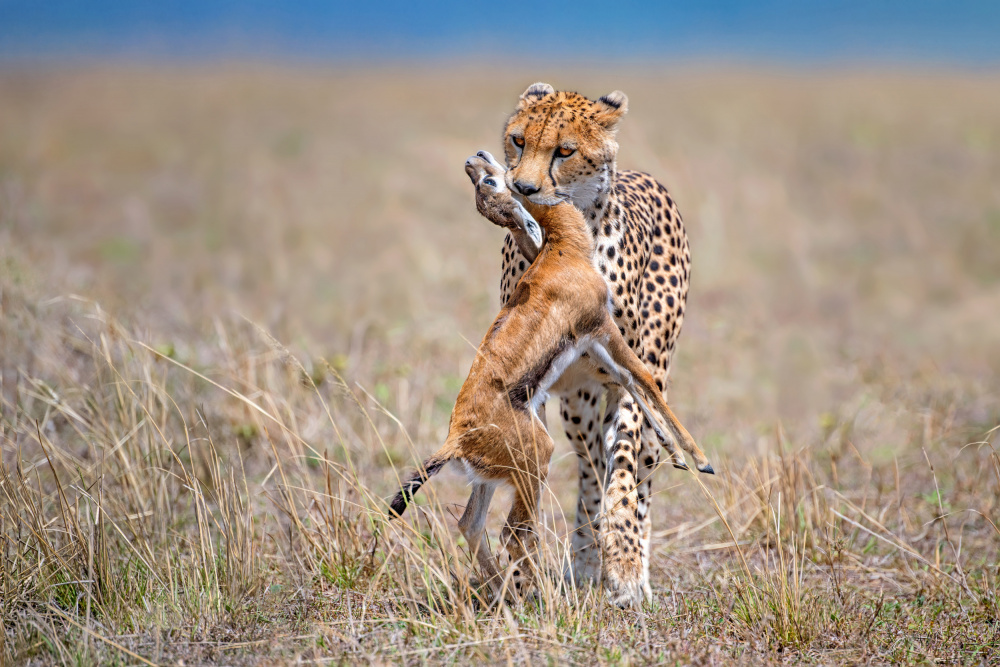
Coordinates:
558	311
560	146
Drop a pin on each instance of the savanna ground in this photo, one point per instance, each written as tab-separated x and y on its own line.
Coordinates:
237	302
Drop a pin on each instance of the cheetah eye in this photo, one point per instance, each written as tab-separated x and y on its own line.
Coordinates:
564	151
518	141
490	182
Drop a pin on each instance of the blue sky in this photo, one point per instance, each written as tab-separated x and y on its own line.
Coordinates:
958	32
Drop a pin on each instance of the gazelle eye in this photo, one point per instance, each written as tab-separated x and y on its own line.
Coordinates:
518	141
490	182
564	151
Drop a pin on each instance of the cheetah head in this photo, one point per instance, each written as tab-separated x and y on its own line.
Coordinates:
559	145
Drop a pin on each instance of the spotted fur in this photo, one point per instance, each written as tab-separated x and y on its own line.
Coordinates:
560	146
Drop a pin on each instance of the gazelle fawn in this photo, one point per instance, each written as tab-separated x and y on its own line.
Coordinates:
558	314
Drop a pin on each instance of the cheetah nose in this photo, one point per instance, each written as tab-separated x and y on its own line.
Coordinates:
525	189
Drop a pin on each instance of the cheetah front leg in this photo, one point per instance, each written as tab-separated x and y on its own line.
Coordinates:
621	530
581	417
625	531
499	205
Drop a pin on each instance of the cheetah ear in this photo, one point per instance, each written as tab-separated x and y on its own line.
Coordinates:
535	92
611	108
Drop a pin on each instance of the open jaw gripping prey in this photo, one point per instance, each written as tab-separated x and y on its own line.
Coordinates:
558	317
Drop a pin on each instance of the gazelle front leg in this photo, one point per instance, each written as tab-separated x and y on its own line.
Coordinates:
621	363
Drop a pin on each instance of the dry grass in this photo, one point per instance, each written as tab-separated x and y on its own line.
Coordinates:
178	485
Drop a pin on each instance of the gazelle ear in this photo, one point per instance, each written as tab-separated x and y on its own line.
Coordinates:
535	92
611	108
534	232
531	240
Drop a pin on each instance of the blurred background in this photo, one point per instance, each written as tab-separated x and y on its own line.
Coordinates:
225	183
659	33
837	167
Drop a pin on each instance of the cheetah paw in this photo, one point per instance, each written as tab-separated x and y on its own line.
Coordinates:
625	594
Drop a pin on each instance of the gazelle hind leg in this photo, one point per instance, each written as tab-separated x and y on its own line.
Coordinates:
520	539
473	528
519	535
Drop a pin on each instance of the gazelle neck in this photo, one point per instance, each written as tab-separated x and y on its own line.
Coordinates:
565	230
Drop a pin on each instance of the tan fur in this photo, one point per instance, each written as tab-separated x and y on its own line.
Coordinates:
557	312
